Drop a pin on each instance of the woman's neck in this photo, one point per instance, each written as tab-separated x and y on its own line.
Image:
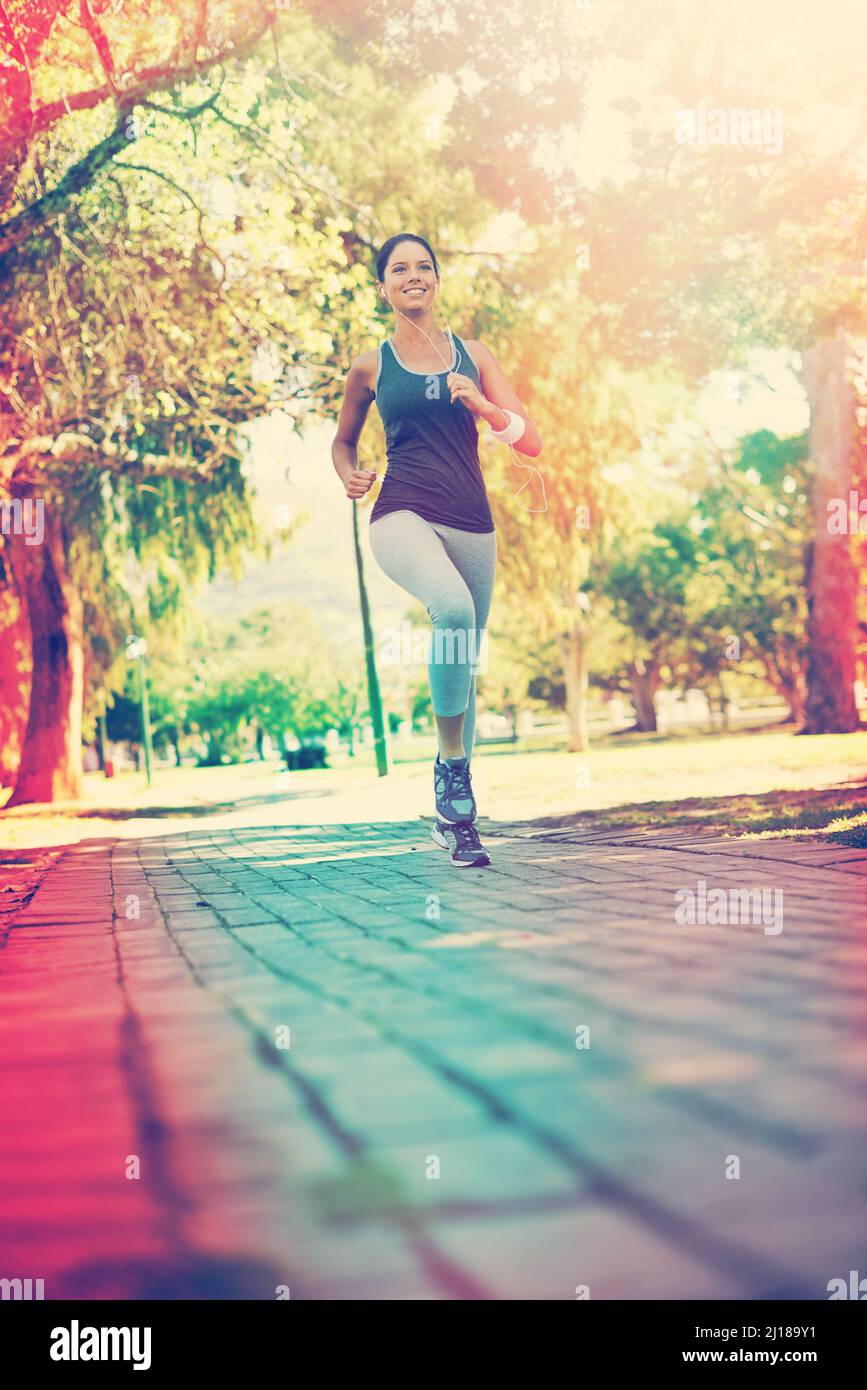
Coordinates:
417	335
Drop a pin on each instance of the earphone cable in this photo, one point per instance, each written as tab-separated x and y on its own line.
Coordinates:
449	367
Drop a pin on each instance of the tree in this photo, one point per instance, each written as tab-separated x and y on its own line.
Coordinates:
36	429
554	547
831	576
119	56
649	594
15	676
716	584
755	527
699	248
217	713
134	435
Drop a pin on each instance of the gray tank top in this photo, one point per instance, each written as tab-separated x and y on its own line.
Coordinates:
432	446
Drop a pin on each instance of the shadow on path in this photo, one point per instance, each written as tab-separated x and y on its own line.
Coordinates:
837	814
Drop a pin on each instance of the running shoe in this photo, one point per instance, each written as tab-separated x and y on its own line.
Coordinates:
467	850
453	791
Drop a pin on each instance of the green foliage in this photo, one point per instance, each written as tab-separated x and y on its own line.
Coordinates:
219	266
718	586
272	671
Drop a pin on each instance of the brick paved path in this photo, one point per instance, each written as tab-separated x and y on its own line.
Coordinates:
428	1127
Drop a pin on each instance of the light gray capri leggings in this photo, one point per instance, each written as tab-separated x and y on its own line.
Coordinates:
452	573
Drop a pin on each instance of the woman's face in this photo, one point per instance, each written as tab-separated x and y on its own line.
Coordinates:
409	278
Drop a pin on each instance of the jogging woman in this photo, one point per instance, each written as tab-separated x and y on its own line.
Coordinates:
431	528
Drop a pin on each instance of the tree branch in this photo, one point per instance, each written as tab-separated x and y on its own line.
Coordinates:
45	116
257	137
71	448
19	229
13	44
18	83
146	169
130	90
100	43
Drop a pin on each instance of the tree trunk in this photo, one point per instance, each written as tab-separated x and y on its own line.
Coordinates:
724	705
643	680
213	751
575	676
792	691
14	673
831	581
50	768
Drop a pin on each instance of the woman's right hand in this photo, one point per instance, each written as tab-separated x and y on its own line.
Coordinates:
360	481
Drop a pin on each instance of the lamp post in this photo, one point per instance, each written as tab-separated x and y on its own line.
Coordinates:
374	697
136	650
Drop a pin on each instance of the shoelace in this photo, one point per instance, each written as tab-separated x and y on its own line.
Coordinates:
466	835
459	786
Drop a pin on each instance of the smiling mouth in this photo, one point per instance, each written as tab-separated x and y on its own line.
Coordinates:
418	290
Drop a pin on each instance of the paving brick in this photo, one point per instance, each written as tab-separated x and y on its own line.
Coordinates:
451	1037
549	1256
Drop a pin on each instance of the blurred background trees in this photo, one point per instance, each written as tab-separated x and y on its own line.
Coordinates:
191	196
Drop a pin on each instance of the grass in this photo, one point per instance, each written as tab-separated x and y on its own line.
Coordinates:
768	782
836	815
759	782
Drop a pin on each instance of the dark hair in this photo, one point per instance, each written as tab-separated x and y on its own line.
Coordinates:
387	247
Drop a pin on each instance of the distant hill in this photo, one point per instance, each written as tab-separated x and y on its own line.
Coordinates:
316	567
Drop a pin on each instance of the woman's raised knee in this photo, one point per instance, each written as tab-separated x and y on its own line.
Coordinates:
453	636
457	614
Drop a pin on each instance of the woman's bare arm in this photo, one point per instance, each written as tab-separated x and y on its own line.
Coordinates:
497	388
357	399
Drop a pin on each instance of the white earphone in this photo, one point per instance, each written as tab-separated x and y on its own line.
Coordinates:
448	330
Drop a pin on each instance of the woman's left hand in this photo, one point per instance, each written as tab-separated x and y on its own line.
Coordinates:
465	390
